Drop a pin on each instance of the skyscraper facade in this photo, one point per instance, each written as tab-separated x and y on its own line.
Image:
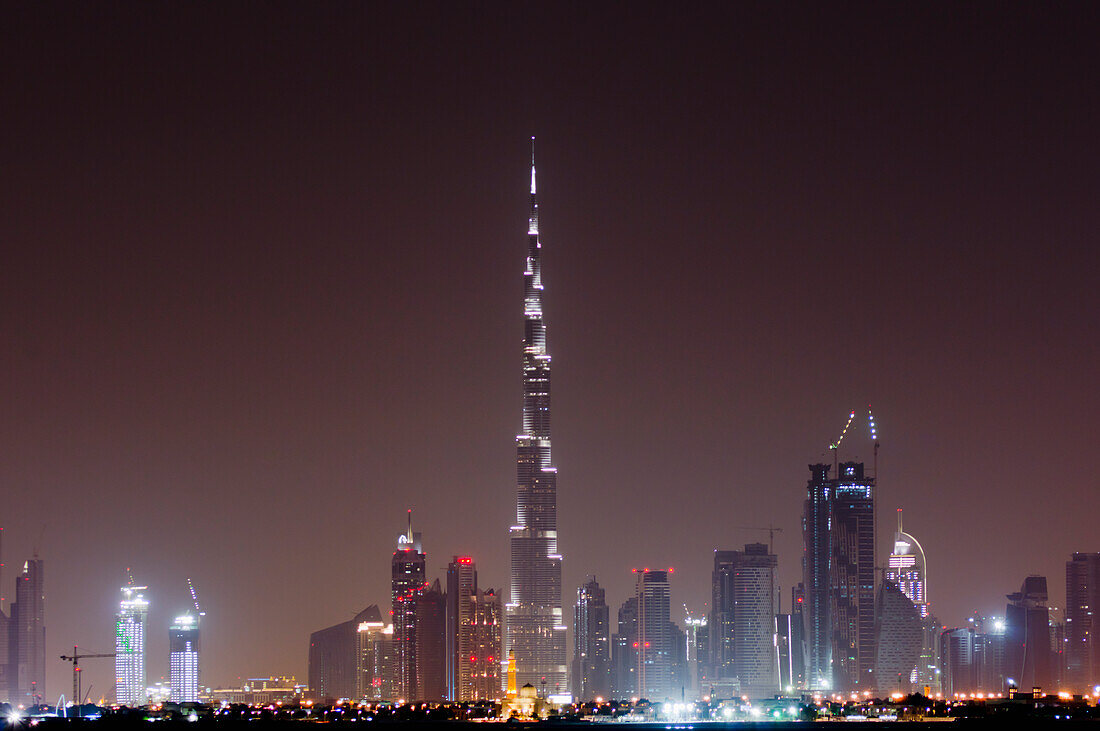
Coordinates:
535	625
956	660
591	676
486	646
743	634
430	645
624	653
906	567
183	659
473	635
1083	621
461	586
898	640
348	660
654	638
407	585
1027	635
27	635
375	653
838	527
130	646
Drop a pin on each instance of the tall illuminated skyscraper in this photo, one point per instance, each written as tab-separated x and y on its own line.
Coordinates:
183	659
654	641
591	643
1083	620
408	585
535	626
130	646
839	577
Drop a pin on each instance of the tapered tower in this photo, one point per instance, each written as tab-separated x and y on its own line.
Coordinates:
535	628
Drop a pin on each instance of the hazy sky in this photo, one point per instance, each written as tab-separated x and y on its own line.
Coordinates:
260	292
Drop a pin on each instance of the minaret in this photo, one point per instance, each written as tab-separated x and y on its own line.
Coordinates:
535	628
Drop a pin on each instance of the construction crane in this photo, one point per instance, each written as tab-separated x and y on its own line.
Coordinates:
75	658
835	446
195	598
771	529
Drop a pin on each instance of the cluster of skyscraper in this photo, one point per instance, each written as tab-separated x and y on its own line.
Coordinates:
846	631
441	645
131	688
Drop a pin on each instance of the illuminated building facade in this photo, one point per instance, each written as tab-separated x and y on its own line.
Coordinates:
407	584
461	586
838	527
899	638
473	635
130	647
743	630
375	653
27	635
591	676
653	644
535	625
183	659
697	649
1083	621
907	568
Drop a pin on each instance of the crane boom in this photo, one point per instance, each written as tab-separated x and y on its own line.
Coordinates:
771	529
75	658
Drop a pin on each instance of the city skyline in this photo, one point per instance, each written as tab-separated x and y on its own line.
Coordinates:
232	292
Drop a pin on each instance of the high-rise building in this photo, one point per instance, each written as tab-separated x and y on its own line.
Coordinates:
408	583
591	643
959	674
654	637
791	645
838	527
347	659
1027	636
375	652
907	568
130	646
899	637
678	663
27	635
989	653
461	586
624	653
743	631
486	646
431	661
697	647
535	626
183	659
473	635
1083	621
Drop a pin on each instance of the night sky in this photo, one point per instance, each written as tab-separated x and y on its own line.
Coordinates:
260	292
